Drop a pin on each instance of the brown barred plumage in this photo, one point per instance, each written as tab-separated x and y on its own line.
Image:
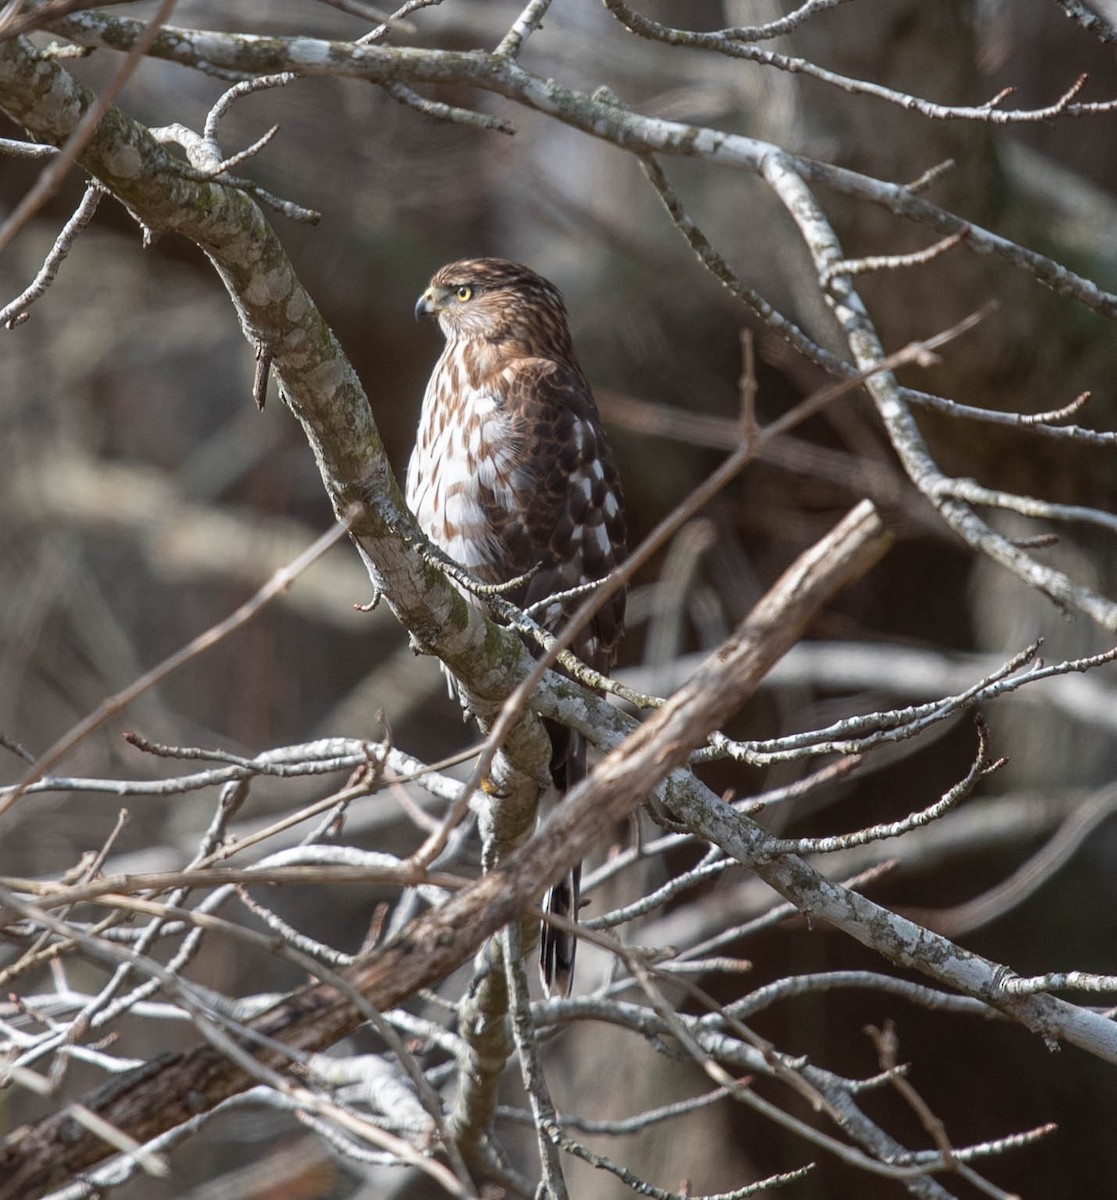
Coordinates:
511	470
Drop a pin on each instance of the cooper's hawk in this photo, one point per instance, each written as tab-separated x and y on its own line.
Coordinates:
511	472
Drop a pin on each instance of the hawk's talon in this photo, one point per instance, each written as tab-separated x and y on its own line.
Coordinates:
499	589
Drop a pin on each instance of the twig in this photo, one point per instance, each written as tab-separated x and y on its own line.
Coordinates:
15	149
1093	22
16	312
1043	423
724	273
51	179
531	1068
982	766
529	20
207	164
442	111
396	20
722	42
626	1125
890	262
781	25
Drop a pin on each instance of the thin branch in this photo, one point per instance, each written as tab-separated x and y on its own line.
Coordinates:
377	867
55	172
890	262
799	985
544	1119
16	312
1090	20
529	20
724	273
367	12
279	582
16	149
396	20
206	163
442	111
627	1125
982	766
782	173
1044	423
724	42
781	25
972	492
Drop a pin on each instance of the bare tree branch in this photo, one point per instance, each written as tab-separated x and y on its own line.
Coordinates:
144	1105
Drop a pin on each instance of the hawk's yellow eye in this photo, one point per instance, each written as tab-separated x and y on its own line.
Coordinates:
463	292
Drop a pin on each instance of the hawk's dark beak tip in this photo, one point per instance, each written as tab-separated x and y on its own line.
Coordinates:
423	307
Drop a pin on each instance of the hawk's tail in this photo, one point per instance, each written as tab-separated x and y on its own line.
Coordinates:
557	946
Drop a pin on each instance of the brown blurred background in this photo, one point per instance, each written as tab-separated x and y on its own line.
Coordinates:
142	497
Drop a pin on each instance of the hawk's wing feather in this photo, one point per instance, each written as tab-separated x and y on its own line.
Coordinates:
567	517
568	521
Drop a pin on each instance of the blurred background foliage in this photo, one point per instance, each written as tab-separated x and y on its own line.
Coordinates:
142	497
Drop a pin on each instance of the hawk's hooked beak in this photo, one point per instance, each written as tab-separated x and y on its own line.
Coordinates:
429	304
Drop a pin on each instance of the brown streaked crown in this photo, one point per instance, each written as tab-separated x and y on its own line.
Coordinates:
495	300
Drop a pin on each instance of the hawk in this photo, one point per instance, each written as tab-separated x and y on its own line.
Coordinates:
511	473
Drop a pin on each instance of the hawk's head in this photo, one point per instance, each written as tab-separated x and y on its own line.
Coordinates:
494	300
